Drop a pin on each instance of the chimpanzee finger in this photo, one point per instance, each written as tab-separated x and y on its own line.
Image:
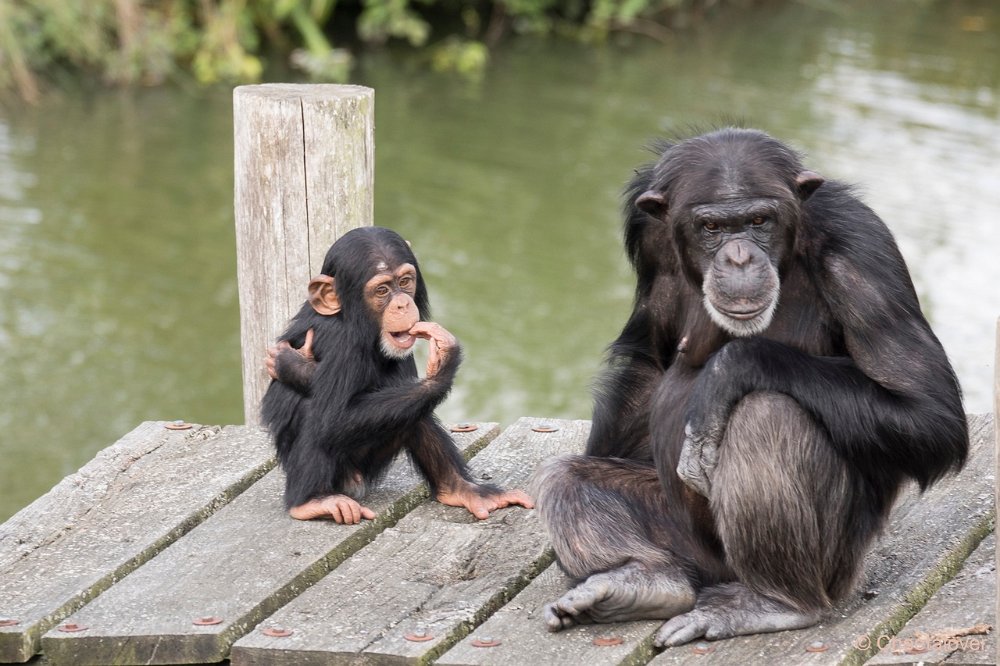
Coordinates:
353	512
433	331
336	512
433	358
518	497
306	348
479	511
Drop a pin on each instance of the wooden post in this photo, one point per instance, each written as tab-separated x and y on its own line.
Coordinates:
304	161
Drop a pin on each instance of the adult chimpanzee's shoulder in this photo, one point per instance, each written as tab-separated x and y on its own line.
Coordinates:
852	250
836	220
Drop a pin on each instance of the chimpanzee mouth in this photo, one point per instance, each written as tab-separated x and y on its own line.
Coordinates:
398	345
744	322
402	339
744	315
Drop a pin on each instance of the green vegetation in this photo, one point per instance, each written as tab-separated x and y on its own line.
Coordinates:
146	42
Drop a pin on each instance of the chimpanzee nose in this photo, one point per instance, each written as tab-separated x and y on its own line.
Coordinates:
736	255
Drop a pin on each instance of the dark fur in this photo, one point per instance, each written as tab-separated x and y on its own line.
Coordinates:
354	410
819	419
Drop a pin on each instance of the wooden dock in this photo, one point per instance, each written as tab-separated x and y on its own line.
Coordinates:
172	547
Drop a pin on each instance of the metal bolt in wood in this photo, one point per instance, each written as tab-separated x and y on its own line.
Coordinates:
545	427
277	632
606	641
419	636
817	646
71	627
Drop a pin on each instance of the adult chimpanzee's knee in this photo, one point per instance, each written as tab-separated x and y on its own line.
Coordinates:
615	547
778	475
598	492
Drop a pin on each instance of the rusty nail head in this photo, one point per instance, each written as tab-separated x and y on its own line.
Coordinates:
178	425
605	641
277	632
71	627
702	648
419	635
9	622
464	427
207	620
485	642
817	646
545	427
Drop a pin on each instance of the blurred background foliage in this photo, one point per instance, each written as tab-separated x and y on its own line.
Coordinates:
147	42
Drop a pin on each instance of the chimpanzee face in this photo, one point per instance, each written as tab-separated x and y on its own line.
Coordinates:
389	296
733	219
737	245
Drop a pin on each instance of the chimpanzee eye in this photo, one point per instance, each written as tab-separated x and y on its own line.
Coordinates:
711	226
406	281
757	221
382	291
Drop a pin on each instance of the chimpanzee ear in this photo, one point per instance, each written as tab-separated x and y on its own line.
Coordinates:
652	202
323	295
807	182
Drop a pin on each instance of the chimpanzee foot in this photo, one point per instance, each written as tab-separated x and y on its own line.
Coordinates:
631	592
482	501
341	508
730	610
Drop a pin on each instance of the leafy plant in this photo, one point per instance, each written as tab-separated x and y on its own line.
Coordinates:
149	41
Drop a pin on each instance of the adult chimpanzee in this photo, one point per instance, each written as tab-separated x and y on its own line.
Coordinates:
774	386
348	399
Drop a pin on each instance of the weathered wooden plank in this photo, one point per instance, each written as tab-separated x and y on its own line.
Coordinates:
928	539
132	500
935	635
239	566
304	161
523	638
438	571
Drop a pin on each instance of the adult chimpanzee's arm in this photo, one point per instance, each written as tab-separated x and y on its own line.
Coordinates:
892	405
621	400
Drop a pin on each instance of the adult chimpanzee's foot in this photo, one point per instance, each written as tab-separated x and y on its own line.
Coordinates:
631	592
730	610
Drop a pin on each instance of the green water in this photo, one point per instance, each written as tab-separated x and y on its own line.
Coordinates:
118	298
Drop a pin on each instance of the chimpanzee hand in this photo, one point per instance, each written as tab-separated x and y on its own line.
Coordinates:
699	456
481	500
442	344
708	413
292	366
343	510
